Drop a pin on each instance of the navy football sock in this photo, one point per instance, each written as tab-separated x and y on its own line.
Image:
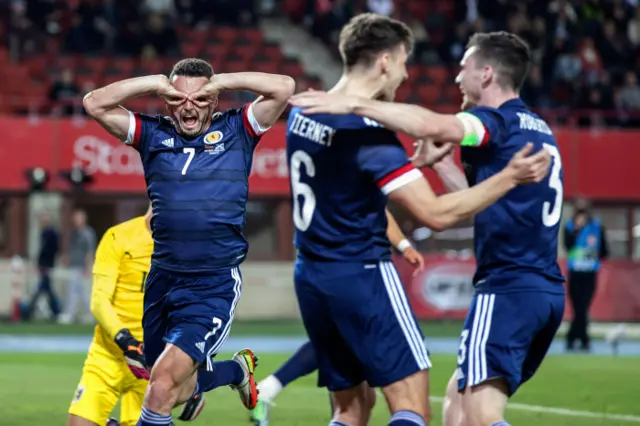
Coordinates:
303	362
224	373
502	423
149	418
335	423
406	418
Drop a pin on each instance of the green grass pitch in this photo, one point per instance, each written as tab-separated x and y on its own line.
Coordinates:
568	391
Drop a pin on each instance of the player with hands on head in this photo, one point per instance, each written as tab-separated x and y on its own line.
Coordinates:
196	163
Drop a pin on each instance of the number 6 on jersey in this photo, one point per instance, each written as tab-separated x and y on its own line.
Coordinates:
302	216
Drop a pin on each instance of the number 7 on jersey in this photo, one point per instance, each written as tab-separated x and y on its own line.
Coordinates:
191	152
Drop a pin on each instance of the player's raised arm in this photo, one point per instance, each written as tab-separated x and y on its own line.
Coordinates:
274	91
439	213
415	121
104	104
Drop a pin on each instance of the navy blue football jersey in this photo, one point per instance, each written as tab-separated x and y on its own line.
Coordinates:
342	167
516	237
198	188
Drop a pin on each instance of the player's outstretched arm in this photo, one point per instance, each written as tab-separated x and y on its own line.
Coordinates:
439	213
274	91
104	104
415	121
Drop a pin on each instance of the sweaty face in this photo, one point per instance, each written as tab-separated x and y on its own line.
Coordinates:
396	72
190	119
469	79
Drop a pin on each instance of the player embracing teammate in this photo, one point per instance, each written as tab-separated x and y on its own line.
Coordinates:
519	299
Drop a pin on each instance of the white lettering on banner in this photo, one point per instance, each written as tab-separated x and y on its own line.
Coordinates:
270	163
96	155
447	286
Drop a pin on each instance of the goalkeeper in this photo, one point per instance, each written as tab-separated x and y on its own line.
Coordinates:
114	368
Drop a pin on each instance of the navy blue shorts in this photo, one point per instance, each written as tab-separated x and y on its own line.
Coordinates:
359	322
192	312
507	335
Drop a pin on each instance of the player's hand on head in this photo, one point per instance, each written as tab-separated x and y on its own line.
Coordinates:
427	153
319	102
171	95
206	95
529	167
414	258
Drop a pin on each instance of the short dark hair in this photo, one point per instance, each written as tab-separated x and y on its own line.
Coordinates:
368	34
192	67
507	53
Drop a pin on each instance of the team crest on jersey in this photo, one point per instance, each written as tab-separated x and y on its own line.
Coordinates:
213	137
212	143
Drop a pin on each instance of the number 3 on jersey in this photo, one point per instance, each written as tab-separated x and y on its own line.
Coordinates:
302	215
551	213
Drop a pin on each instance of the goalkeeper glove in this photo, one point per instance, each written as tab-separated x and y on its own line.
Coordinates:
133	353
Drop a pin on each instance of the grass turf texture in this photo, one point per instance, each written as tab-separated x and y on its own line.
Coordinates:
36	390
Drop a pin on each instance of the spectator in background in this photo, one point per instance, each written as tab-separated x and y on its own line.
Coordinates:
633	29
629	99
64	93
614	50
590	60
163	7
81	248
586	245
453	46
49	246
381	7
160	36
534	92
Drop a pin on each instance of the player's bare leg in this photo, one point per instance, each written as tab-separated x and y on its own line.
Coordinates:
408	400
485	404
452	413
169	376
74	420
352	406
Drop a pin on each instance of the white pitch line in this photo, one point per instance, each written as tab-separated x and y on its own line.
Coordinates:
568	412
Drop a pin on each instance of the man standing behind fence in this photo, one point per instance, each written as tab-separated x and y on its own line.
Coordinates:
81	247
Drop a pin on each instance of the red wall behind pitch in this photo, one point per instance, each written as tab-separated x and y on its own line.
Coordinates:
597	164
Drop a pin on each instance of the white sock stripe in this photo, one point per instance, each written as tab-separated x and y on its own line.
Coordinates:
485	337
237	290
472	339
152	415
408	416
396	293
155	419
413	327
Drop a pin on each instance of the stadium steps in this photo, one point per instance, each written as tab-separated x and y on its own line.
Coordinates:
295	42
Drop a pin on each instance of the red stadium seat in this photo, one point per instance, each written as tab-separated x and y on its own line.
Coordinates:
429	94
438	75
